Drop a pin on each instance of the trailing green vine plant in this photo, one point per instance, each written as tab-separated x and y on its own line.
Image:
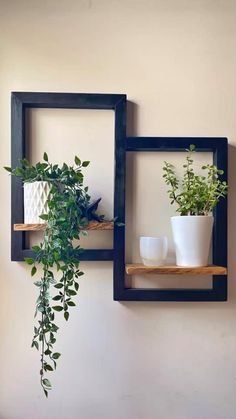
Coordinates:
64	224
195	194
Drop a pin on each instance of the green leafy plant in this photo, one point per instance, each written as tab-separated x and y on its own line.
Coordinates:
64	223
195	194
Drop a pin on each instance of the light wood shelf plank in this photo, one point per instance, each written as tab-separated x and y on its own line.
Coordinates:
138	268
94	225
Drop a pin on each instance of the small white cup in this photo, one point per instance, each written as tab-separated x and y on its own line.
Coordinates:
153	250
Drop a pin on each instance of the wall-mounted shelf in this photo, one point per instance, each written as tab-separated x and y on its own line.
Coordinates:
218	291
94	225
139	269
21	101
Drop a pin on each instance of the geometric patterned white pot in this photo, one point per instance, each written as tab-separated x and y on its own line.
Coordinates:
35	201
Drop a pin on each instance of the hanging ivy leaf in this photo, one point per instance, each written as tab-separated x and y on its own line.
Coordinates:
33	271
57	308
66	315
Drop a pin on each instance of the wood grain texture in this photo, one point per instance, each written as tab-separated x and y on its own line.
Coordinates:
138	268
40	227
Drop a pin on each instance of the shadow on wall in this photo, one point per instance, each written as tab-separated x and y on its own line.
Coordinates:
232	224
132	119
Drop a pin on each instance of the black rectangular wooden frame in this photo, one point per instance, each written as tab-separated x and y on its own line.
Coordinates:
20	102
218	292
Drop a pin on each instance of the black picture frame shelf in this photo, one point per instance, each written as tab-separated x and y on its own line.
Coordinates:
20	101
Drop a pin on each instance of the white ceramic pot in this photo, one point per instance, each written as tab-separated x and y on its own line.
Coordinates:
35	201
153	250
192	239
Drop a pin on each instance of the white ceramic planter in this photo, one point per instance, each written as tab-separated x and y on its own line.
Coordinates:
192	239
35	201
153	250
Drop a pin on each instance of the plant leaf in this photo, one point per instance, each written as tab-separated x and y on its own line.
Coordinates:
33	271
57	308
66	315
29	261
49	367
72	292
77	161
57	297
59	285
56	355
36	248
47	383
8	169
44	217
76	286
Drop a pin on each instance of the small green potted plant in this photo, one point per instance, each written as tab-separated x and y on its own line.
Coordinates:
195	197
66	201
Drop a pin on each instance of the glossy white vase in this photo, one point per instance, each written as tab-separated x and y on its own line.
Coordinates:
192	238
35	201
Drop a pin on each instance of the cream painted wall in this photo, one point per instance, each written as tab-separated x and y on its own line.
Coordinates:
176	60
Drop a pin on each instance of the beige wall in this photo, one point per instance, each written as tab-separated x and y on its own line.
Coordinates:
176	60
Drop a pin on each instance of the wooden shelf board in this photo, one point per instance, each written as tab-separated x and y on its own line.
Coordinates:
139	268
94	225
